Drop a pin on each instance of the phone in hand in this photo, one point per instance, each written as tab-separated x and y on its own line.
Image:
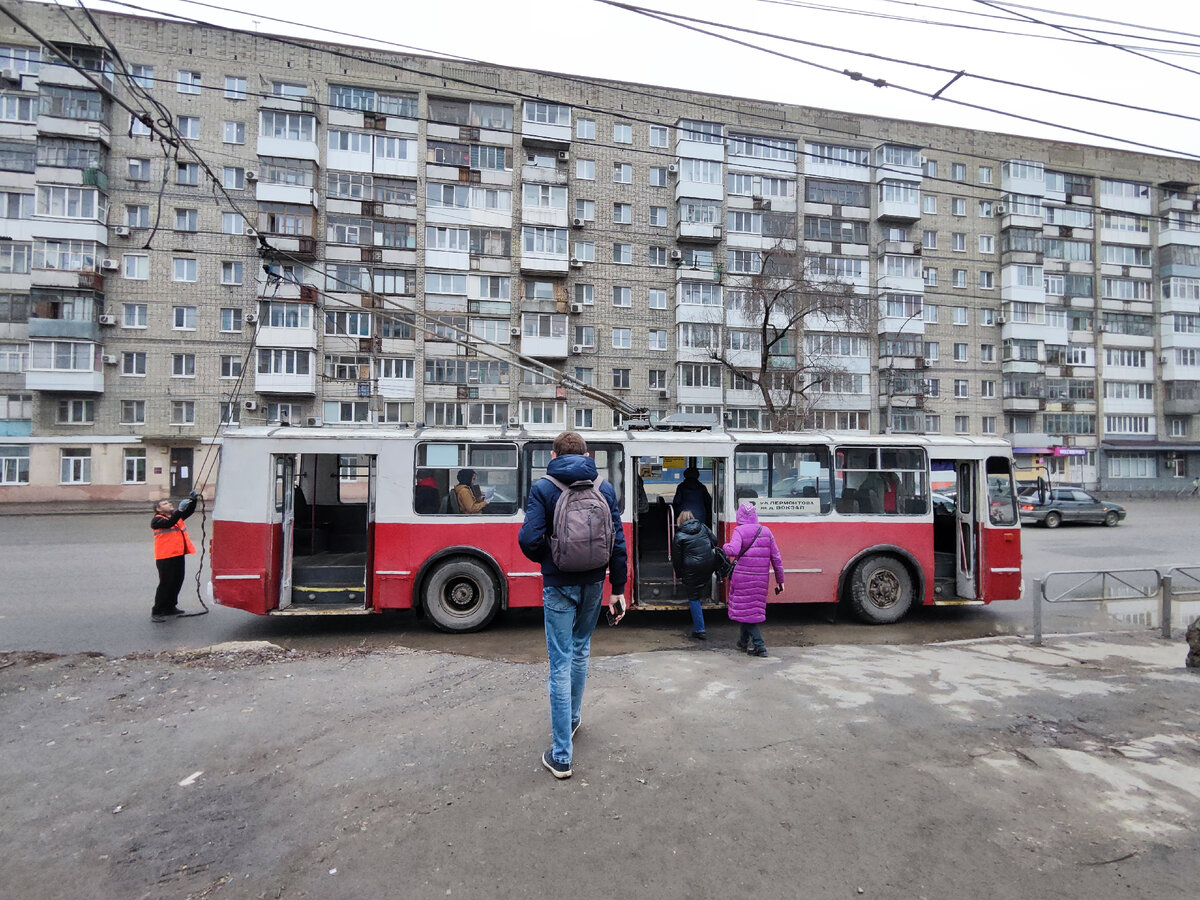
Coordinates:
613	616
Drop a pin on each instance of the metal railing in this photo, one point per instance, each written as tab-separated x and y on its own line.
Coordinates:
1165	585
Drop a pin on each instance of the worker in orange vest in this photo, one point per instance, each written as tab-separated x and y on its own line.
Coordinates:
171	547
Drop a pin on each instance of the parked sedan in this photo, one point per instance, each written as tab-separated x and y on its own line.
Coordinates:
1053	507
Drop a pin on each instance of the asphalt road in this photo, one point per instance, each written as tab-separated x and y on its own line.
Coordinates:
85	583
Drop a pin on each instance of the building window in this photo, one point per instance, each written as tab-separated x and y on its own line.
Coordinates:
183	318
958	206
962	424
987	243
987	388
231	318
183	412
658	339
187	82
622	173
958	172
657	298
585	169
659	136
183	365
658	216
658	176
135	266
187	174
585	129
929	240
622	296
76	412
186	220
960	352
231	366
622	133
623	254
133	363
622	214
183	269
961	388
658	256
133	315
233	178
235	88
75	466
231	273
620	378
622	339
987	280
958	242
133	412
135	465
960	278
985	174
928	205
987	353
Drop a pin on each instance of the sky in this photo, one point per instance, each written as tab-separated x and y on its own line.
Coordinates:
591	38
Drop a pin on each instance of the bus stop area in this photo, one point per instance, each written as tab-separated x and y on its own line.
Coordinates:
989	768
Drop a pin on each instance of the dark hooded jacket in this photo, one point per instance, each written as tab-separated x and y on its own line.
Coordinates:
692	555
534	536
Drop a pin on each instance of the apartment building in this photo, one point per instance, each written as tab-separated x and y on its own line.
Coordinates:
334	228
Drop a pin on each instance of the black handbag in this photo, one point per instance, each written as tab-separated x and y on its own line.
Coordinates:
722	564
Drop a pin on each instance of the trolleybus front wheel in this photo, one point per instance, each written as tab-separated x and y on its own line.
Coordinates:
881	590
461	595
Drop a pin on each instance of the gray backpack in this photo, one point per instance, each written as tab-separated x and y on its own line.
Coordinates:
582	538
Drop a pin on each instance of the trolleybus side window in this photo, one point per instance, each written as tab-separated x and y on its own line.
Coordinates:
1002	509
487	474
888	481
609	460
779	481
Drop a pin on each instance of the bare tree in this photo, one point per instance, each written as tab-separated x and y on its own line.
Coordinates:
786	296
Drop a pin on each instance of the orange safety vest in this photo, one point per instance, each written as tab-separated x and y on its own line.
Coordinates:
167	544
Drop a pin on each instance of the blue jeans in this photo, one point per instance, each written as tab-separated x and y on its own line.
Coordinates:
695	606
750	634
571	614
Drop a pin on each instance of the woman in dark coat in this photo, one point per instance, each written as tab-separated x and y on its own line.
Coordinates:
692	557
753	547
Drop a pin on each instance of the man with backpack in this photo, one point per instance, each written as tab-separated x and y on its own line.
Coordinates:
573	529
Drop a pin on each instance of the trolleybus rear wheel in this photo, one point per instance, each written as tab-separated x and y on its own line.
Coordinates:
881	590
461	595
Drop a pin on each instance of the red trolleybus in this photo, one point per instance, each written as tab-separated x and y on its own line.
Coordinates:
359	520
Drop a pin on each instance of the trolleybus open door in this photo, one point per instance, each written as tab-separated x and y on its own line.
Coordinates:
966	556
285	482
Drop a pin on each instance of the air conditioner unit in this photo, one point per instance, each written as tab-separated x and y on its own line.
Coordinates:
663	394
564	155
576	308
676	255
576	263
514	420
110	359
1001	320
577	222
251	175
250	405
251	233
1000	209
121	230
514	331
577	348
109	265
672	168
314	421
10	75
250	318
107	319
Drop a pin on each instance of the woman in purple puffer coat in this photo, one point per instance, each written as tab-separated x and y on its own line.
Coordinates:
754	548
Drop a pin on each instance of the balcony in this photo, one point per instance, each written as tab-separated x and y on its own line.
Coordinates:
302	246
545	347
543	263
266	383
67	366
700	232
66	329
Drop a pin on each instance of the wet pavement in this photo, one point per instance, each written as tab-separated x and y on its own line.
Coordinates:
976	769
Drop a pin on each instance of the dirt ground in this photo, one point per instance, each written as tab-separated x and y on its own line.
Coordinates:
988	769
